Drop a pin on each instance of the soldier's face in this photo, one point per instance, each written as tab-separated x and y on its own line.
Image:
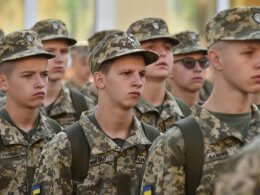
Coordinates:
26	86
123	84
163	66
57	66
80	67
239	64
188	79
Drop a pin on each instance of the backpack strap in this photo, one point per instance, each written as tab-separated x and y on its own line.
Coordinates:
194	153
150	132
79	103
183	106
54	125
80	153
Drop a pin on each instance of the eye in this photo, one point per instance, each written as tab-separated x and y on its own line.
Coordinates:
45	74
248	52
64	51
26	75
142	74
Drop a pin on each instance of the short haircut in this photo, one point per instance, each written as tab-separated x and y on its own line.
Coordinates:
7	67
105	66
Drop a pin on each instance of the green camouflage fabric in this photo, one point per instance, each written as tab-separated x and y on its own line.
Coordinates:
18	156
79	50
189	43
205	91
151	28
241	23
109	166
116	45
241	175
161	119
3	101
99	36
164	168
22	44
2	35
62	110
51	29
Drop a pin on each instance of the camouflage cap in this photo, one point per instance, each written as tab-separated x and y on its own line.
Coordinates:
151	28
97	37
1	35
116	45
189	43
51	29
241	23
21	44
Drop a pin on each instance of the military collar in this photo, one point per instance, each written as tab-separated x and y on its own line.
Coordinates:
99	142
216	130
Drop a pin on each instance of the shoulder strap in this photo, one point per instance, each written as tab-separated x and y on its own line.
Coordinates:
194	153
79	103
183	106
55	125
150	131
80	152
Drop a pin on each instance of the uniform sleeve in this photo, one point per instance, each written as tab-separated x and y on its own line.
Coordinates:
240	176
163	171
53	173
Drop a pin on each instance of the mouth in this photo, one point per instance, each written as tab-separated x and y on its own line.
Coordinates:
58	69
197	79
161	64
39	94
135	94
256	78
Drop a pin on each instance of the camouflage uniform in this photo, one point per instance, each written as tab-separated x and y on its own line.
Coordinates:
242	173
20	151
62	109
111	168
164	168
162	118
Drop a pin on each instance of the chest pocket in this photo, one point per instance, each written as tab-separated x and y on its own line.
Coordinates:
113	173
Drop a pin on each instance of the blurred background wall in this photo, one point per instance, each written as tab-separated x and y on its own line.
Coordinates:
83	17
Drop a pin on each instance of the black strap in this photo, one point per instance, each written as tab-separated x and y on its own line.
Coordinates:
194	153
150	132
55	125
80	153
183	106
79	103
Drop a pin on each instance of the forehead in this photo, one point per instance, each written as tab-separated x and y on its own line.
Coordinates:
156	42
56	43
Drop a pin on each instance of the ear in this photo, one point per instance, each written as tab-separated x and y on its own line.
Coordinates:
214	57
3	82
99	78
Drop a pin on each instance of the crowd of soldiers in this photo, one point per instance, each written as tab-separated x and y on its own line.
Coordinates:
142	112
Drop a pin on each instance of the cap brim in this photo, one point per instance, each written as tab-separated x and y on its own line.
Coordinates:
190	50
174	41
70	41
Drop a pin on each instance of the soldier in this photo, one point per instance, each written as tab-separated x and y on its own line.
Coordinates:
189	68
61	104
117	141
2	94
241	174
24	131
227	120
157	107
81	74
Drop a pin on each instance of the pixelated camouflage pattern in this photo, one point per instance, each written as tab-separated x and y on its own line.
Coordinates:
241	23
151	28
79	50
21	44
189	43
116	45
241	174
109	164
149	114
62	110
18	157
97	37
164	168
51	29
205	91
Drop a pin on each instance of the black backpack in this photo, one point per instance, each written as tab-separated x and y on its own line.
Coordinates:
81	150
183	106
79	103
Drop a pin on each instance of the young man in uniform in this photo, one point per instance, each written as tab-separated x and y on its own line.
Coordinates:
187	160
24	131
157	107
117	141
189	68
61	104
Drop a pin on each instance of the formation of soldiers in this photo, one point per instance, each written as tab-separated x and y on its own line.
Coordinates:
137	115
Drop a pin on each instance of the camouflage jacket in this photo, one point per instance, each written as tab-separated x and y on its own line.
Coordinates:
163	119
205	91
242	173
111	168
62	110
164	169
18	156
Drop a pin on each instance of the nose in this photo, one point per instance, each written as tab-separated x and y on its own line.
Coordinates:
257	62
138	81
39	82
197	67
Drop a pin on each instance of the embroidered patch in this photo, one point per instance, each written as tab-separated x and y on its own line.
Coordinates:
257	17
36	190
156	25
148	190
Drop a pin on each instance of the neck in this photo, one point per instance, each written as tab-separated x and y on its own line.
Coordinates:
79	81
54	88
225	99
116	122
154	92
24	118
190	97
